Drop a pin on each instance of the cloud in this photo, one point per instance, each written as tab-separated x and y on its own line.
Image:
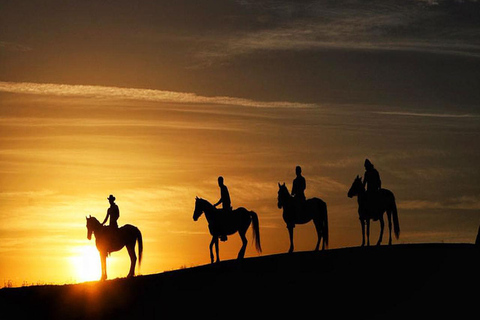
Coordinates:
427	115
105	92
14	47
382	25
458	203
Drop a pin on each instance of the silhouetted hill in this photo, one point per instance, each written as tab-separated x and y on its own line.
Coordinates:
401	281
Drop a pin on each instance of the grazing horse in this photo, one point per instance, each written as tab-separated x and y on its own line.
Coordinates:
383	202
109	240
299	213
222	223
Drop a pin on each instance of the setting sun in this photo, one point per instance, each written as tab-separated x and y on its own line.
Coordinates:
86	263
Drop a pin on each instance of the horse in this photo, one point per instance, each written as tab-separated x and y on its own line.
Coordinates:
108	240
384	202
300	213
222	223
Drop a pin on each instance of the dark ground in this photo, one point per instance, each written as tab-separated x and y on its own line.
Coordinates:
399	282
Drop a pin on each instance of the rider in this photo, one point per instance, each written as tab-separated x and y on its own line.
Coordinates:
371	180
224	200
113	212
299	185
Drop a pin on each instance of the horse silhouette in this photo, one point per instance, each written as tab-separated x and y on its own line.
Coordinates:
383	201
222	223
109	240
299	213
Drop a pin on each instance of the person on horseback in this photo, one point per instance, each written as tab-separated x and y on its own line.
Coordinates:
299	185
372	182
113	212
224	200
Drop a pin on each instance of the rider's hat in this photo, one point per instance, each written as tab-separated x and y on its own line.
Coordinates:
368	164
111	197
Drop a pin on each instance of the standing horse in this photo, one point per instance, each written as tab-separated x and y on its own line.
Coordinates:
222	223
108	240
383	202
294	213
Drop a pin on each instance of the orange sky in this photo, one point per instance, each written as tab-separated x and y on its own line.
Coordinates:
152	102
61	156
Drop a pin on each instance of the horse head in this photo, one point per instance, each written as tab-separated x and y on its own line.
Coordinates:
92	225
356	188
198	209
283	195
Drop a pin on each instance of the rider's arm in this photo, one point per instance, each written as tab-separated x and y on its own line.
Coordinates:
219	201
106	218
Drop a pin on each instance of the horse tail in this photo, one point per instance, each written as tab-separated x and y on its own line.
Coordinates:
396	224
325	225
256	231
140	246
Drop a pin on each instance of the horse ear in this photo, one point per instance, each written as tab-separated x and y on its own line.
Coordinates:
284	184
279	185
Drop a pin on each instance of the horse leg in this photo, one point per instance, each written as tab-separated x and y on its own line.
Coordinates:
389	215
368	232
133	260
103	260
382	226
211	251
318	228
290	233
241	253
362	223
217	249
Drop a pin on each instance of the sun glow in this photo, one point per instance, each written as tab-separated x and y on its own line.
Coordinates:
86	263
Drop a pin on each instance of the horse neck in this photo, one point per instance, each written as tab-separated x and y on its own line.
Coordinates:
97	226
361	193
208	209
287	199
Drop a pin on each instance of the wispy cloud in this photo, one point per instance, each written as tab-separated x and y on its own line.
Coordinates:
14	47
382	25
105	92
458	203
427	115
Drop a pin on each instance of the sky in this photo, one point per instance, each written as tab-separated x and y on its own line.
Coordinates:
152	101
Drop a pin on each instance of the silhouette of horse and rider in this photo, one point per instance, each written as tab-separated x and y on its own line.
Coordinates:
373	202
226	221
111	238
298	210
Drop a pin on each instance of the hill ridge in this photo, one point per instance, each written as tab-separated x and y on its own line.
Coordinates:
396	280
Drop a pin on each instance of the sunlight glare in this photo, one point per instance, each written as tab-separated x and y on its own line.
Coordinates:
86	263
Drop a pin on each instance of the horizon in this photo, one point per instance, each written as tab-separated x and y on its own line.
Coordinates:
152	102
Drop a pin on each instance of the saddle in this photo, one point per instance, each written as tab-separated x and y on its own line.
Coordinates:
297	214
224	223
371	208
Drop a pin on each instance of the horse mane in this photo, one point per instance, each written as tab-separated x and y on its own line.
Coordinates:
283	186
94	220
205	201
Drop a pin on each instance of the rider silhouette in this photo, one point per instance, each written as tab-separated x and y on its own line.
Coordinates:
224	200
372	181
113	212
299	185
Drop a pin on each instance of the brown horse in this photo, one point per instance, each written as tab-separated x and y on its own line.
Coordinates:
383	201
295	212
222	223
109	240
